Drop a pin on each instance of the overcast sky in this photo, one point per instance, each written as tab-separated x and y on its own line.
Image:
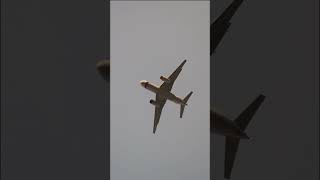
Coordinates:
150	39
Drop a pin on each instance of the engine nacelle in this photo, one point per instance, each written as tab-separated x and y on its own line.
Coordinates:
153	102
164	79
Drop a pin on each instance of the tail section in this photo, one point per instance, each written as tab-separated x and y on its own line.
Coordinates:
185	100
232	143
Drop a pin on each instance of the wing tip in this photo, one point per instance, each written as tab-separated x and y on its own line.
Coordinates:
154	130
262	96
183	62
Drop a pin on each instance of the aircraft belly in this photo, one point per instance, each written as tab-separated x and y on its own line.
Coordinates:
174	98
170	96
152	88
222	126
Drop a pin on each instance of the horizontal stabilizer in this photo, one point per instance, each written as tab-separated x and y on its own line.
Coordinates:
185	100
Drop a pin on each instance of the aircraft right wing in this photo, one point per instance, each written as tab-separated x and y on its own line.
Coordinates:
220	26
231	149
157	113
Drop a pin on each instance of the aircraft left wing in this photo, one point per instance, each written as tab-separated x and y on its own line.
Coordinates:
221	25
167	85
157	113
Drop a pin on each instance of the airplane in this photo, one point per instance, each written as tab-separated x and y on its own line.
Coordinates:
219	124
233	131
163	93
221	25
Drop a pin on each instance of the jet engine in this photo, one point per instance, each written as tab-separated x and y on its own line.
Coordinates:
164	79
153	102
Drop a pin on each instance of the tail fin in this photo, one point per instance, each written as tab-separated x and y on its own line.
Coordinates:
244	118
185	100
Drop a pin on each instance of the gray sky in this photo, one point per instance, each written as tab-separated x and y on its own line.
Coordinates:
150	39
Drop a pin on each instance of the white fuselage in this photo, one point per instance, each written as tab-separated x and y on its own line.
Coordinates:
161	92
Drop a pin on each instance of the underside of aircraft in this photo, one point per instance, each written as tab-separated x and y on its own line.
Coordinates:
163	93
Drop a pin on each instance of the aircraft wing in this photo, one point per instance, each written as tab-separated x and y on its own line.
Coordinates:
231	149
157	113
220	26
244	118
168	85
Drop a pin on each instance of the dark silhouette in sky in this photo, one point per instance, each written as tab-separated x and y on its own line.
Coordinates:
233	131
103	66
221	25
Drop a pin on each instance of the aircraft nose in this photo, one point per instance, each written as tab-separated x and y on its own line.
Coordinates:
143	83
